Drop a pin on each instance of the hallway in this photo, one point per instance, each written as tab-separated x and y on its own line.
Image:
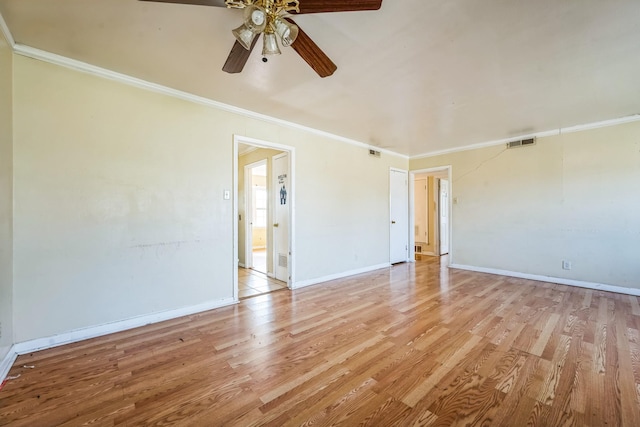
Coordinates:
252	283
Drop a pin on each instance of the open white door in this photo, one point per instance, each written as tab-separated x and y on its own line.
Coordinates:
444	217
248	218
399	215
281	192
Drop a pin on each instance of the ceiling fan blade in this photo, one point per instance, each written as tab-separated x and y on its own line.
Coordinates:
312	54
217	3
321	6
238	57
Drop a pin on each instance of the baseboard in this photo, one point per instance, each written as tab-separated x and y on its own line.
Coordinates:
7	362
559	280
241	265
110	328
304	283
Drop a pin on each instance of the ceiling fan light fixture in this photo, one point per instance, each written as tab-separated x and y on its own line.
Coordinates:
287	31
245	36
270	46
255	18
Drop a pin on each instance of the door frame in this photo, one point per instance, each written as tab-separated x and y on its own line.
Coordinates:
412	174
440	233
409	216
248	212
239	139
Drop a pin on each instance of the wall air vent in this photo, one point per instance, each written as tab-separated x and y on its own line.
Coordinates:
521	143
282	260
374	153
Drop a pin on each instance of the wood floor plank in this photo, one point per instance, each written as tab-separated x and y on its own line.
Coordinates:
414	344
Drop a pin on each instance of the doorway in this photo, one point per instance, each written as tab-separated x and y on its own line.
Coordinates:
431	213
263	230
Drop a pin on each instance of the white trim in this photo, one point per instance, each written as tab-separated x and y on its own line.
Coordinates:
555	132
73	64
7	33
411	252
600	124
62	61
235	254
119	326
261	143
241	265
335	276
549	279
7	362
398	170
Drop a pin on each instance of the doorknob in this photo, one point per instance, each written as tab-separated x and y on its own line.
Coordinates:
276	224
393	222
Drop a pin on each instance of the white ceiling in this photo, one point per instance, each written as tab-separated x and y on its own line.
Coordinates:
417	76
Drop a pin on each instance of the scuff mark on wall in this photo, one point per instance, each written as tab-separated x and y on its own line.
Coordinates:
162	249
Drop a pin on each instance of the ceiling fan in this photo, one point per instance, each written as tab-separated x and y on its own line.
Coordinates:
272	19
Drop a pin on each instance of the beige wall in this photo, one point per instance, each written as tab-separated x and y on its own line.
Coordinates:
6	198
570	197
119	208
259	237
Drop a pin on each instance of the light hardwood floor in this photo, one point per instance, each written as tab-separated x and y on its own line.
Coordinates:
415	344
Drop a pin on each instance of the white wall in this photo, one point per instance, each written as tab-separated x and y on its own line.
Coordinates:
570	197
342	207
6	198
119	207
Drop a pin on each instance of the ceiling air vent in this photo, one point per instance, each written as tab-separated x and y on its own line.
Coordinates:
374	153
521	143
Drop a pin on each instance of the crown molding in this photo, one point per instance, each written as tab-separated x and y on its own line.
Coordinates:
84	67
555	132
7	33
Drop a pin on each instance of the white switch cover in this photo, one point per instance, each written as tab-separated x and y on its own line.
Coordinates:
227	194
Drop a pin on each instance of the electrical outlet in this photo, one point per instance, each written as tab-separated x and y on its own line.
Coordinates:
566	265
